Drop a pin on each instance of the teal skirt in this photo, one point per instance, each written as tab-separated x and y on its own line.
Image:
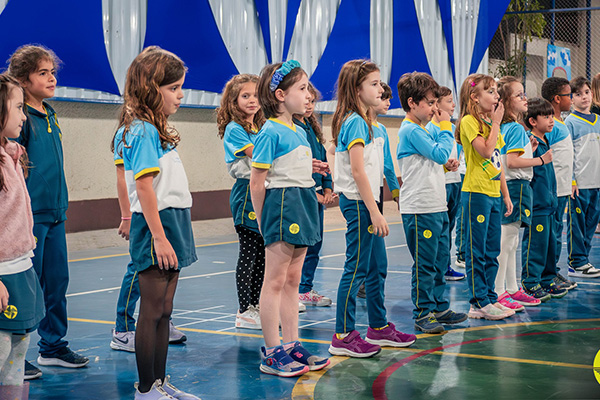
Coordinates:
25	303
177	223
291	215
521	196
241	205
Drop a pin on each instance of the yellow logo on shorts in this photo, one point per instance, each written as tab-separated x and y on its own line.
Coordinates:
597	366
11	312
480	218
527	213
426	233
35	237
539	228
252	215
370	229
294	228
578	210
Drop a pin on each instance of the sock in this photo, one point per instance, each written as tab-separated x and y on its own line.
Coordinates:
383	327
270	350
289	345
342	335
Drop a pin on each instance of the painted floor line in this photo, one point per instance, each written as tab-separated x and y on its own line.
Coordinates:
343	254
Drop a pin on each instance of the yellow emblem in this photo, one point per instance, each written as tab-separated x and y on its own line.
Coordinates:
539	228
252	215
294	228
480	218
11	312
427	233
527	213
578	210
35	237
597	366
370	229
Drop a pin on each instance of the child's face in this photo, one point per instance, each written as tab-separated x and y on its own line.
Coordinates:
41	84
247	100
518	99
565	98
487	99
447	104
582	99
370	90
297	96
543	123
311	106
382	108
424	109
172	95
15	117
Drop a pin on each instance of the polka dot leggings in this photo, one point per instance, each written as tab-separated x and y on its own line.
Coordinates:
12	358
250	269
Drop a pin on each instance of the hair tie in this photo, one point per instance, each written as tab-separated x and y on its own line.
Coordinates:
473	84
281	72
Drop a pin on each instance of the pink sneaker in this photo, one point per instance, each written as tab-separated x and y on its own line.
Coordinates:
352	346
389	336
508	302
313	298
524	299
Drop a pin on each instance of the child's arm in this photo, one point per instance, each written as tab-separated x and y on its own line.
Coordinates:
380	226
124	205
439	150
3	297
505	194
257	190
485	147
331	157
389	171
166	257
514	160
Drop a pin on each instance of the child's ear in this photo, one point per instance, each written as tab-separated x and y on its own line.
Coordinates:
280	95
411	103
532	122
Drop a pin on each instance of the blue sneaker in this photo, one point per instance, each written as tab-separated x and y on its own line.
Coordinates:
450	317
429	324
555	291
280	363
452	275
537	292
300	354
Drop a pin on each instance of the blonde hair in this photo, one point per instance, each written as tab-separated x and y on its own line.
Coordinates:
473	85
596	90
506	92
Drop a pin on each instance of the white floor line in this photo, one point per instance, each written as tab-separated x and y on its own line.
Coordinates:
217	319
222	315
317	323
341	269
183	312
588	283
343	254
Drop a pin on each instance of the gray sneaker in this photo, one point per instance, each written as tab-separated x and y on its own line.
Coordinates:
124	341
175	335
31	371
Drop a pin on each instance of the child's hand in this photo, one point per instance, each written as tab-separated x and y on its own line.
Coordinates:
452	165
380	226
165	254
574	191
397	200
124	229
442	115
320	198
509	206
327	197
3	297
498	113
534	143
320	167
547	157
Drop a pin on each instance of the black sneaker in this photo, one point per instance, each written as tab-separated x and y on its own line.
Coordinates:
65	358
362	293
449	317
537	292
429	324
555	291
564	283
31	371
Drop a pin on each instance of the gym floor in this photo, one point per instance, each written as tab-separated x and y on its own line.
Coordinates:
544	352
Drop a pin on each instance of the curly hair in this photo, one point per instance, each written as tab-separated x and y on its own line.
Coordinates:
229	109
25	60
151	69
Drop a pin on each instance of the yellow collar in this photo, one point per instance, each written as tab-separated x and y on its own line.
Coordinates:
293	127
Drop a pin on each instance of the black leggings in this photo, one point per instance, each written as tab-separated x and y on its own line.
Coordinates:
250	270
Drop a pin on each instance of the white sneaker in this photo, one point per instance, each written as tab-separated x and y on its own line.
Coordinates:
460	263
508	311
585	271
124	341
249	319
175	335
301	308
156	392
313	298
176	393
488	312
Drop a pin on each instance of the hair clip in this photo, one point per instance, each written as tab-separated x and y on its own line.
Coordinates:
281	72
473	84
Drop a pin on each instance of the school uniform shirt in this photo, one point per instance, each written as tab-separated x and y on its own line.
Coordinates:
42	138
562	157
355	130
318	152
586	149
382	141
144	154
543	184
236	141
451	176
285	152
516	141
421	156
483	174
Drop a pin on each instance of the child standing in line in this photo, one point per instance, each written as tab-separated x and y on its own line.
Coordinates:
584	204
479	133
453	179
239	119
161	240
558	92
517	157
285	202
323	186
595	108
421	158
539	245
35	69
357	177
21	298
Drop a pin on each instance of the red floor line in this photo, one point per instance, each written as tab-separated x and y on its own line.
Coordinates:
381	380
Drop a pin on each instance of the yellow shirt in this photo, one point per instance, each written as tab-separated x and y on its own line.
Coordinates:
483	174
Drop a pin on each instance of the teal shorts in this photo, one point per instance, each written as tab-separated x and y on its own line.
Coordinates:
241	205
25	303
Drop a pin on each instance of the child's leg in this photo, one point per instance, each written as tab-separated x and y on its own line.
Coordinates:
535	250
509	241
492	247
289	297
157	288
258	272
311	260
278	258
549	272
441	266
13	362
359	243
453	201
461	228
245	267
375	284
558	226
576	230
592	217
128	296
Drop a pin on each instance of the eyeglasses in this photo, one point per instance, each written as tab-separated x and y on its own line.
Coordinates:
521	96
565	94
